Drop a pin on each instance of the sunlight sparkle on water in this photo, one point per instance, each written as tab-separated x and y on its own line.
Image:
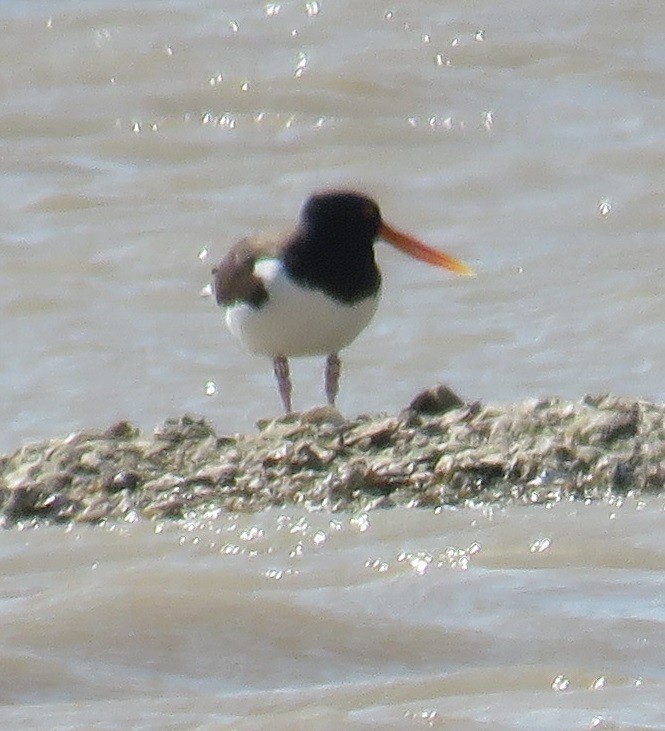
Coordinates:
419	561
226	120
436	123
561	682
278	574
296	551
540	545
301	64
425	718
301	526
360	522
376	564
251	534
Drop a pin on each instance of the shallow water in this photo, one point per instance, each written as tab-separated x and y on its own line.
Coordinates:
134	138
528	142
519	618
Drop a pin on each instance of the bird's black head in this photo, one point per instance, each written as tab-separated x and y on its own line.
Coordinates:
343	216
332	248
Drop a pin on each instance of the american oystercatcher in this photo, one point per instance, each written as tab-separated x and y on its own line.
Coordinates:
312	291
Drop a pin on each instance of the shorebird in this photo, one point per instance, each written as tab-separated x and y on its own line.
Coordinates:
313	290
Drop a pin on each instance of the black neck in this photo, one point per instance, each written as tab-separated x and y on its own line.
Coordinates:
343	270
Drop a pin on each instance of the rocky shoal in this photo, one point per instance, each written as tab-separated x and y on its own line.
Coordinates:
437	452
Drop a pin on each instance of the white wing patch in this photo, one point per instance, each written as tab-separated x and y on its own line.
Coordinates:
296	321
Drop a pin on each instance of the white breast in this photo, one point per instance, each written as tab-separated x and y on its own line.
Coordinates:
295	321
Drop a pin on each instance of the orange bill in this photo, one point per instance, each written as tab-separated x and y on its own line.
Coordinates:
418	250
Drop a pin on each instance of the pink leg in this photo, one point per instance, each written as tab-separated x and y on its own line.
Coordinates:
333	369
281	367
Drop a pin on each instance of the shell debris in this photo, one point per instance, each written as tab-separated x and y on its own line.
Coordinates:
438	451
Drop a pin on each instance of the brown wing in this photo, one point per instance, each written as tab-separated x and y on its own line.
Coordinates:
234	279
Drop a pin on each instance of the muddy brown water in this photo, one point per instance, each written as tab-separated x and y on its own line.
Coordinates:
525	140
